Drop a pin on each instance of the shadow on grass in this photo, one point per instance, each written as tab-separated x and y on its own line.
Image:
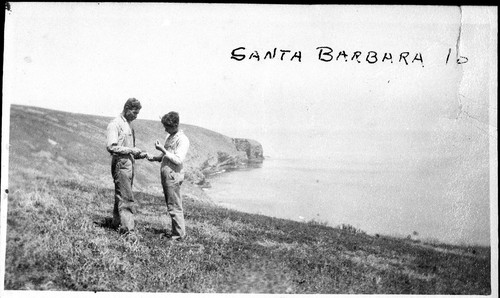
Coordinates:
106	223
156	231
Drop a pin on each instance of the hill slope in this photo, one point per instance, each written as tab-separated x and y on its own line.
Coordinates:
59	235
74	146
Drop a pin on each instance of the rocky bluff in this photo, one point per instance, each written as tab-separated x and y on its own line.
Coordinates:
247	152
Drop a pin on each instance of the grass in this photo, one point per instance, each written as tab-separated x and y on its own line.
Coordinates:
58	238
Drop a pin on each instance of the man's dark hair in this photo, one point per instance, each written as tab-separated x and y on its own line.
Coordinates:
132	103
171	119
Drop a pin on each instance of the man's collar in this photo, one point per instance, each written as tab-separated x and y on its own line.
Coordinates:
123	117
177	133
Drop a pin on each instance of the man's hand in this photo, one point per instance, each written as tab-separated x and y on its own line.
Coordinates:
135	151
141	155
159	146
150	157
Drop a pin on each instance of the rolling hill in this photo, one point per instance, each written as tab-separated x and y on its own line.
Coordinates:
74	146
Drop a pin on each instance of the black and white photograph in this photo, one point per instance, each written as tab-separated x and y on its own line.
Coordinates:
178	148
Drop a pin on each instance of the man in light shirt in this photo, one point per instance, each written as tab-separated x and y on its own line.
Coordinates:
172	155
121	145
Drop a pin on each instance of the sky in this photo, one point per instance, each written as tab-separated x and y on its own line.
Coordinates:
90	57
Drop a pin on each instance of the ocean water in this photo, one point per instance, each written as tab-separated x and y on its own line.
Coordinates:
429	193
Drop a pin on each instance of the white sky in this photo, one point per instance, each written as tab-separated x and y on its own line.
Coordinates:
90	57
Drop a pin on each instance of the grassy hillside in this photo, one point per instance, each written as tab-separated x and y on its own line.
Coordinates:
58	235
59	239
74	145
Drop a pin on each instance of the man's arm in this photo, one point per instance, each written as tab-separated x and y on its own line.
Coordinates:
180	153
156	158
115	149
112	142
162	150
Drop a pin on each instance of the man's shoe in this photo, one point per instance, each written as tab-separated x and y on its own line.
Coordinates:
165	236
178	238
169	237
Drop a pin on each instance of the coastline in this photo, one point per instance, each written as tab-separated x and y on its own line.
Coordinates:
274	191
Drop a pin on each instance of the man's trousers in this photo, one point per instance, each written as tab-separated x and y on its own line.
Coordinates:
171	182
122	169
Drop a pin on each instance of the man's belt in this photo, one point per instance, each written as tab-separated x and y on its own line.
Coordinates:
122	155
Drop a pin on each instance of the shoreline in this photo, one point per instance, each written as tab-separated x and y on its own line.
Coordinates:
415	238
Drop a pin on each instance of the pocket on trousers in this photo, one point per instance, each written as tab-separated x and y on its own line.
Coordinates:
181	178
125	167
177	178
